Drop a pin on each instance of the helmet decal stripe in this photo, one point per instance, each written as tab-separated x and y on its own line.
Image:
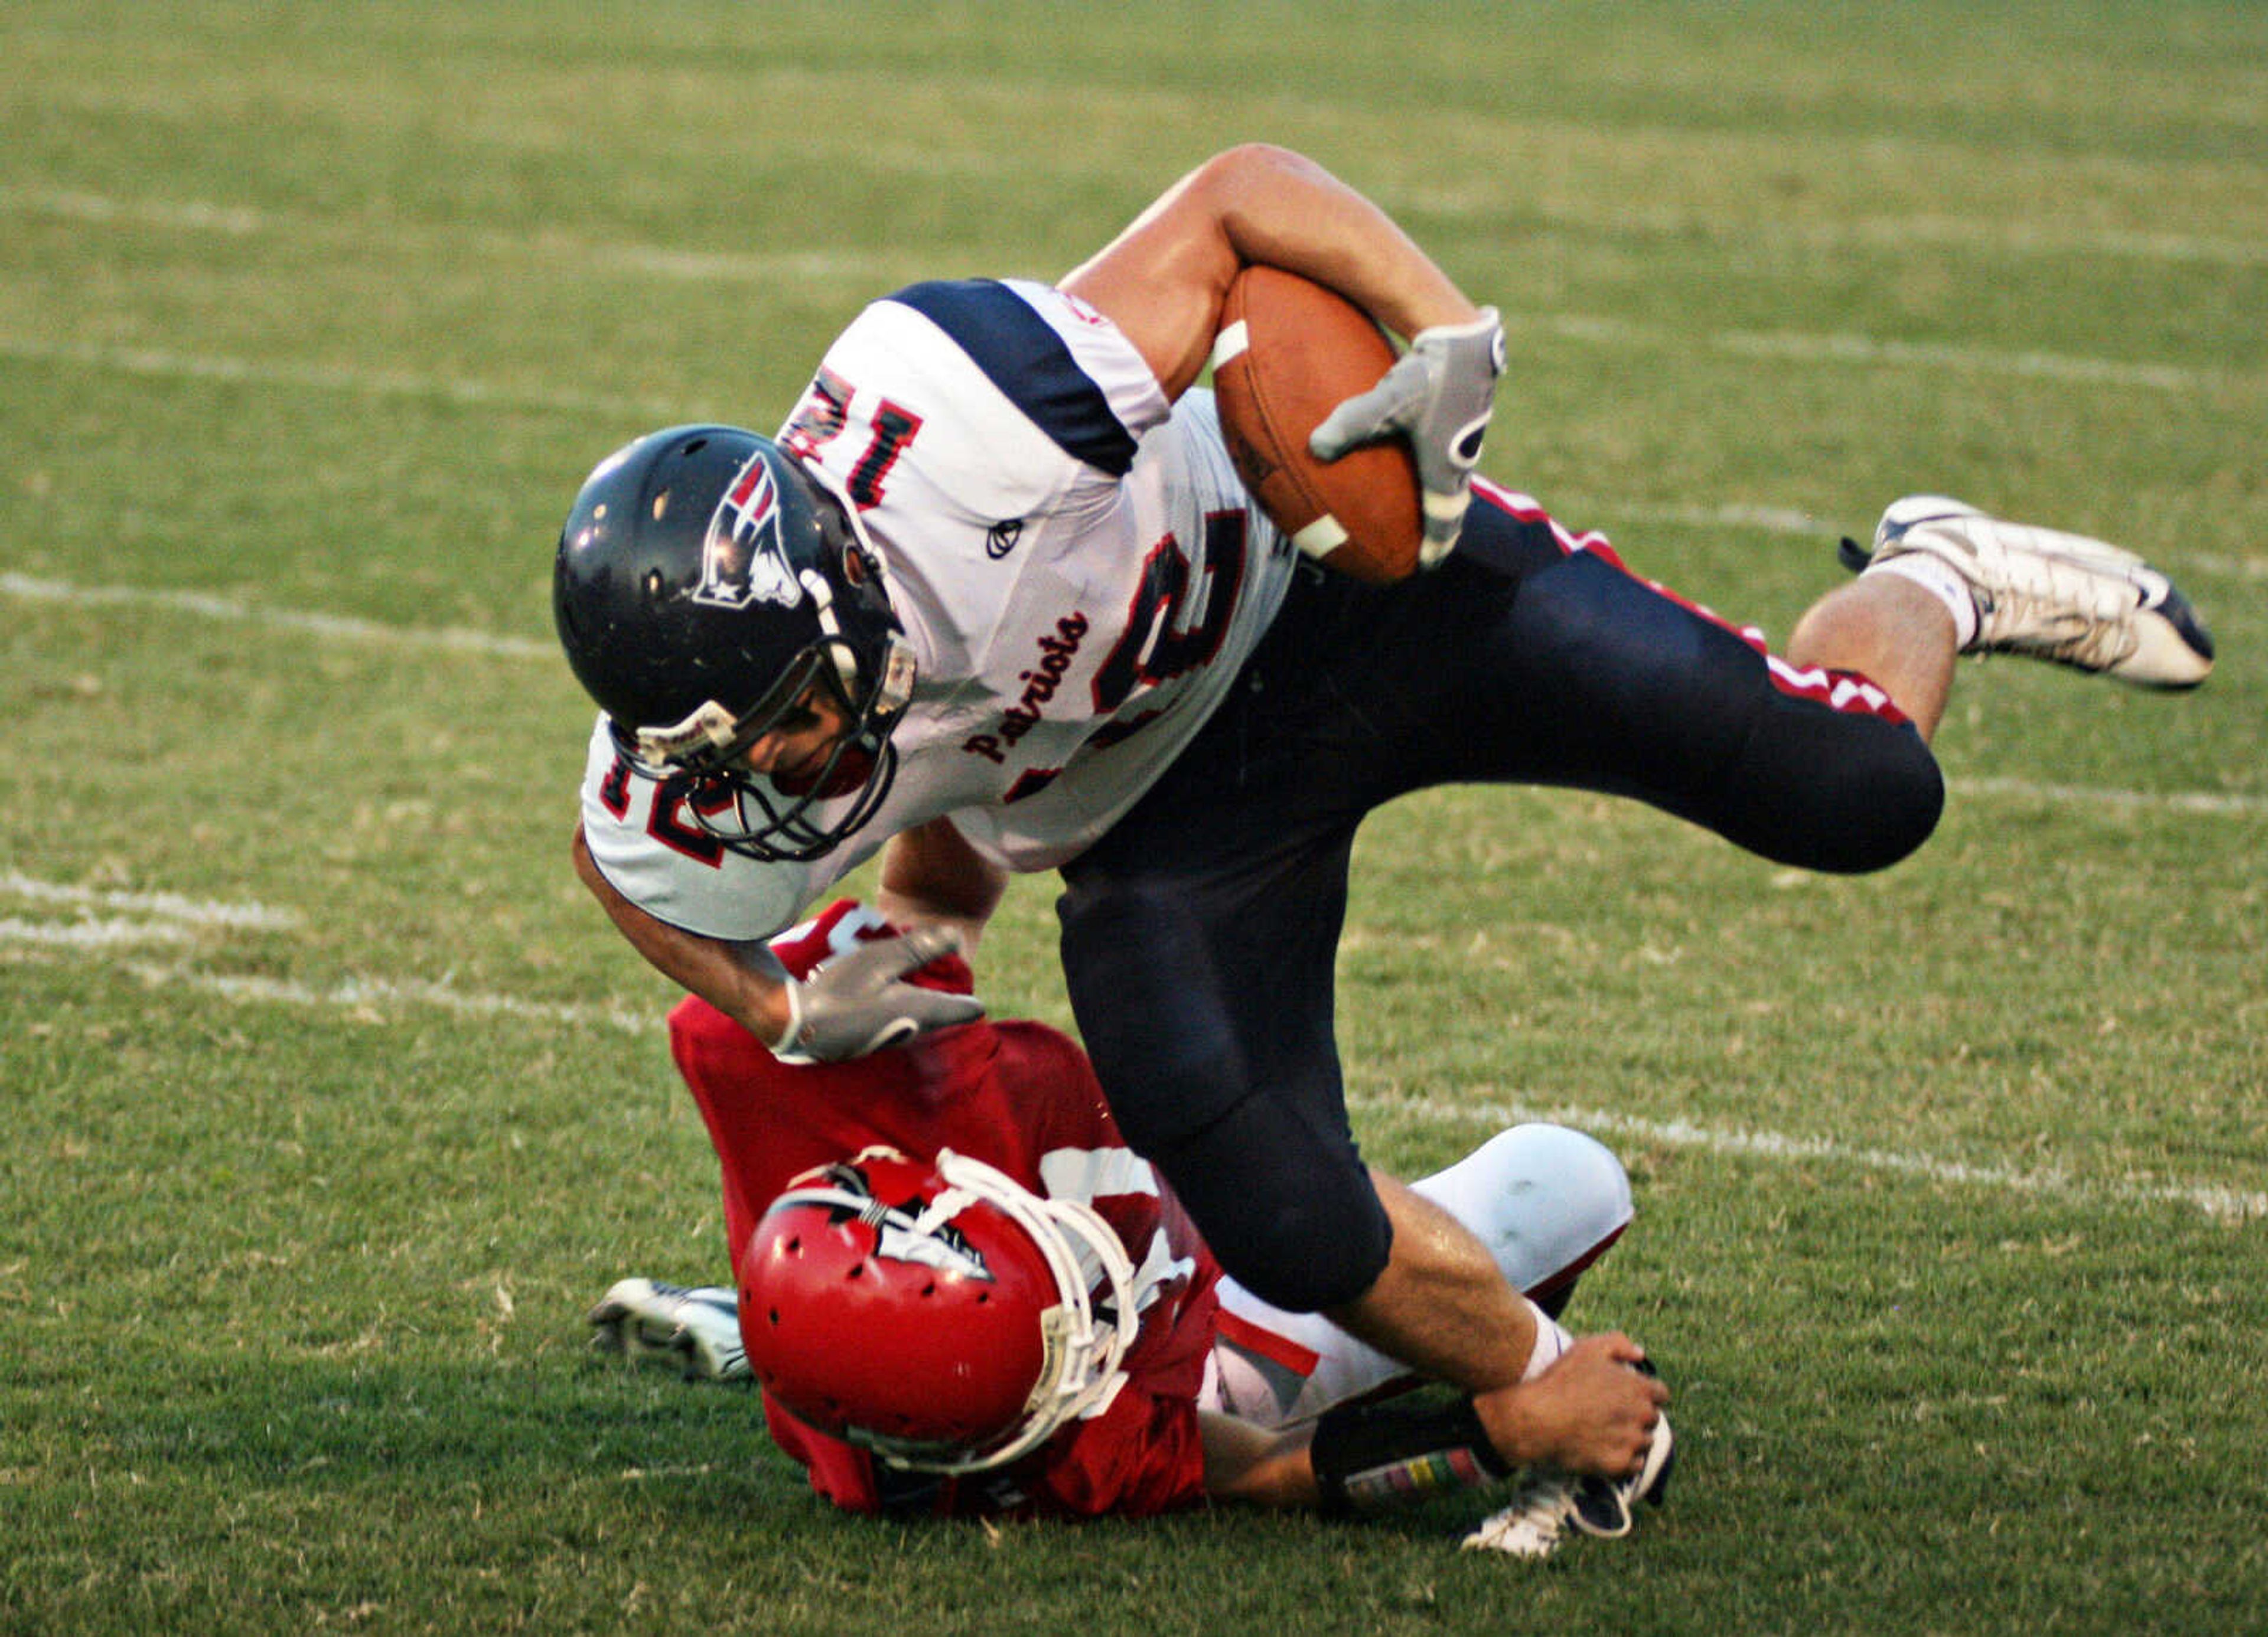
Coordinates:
743	561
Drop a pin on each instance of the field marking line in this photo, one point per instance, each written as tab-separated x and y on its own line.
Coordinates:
820	266
102	933
2207	803
1864	233
372	994
1903	233
1797	347
1803	346
344	627
172	906
2220	1202
163	363
167	917
2213	1200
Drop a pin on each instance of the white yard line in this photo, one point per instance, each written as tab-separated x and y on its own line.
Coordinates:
109	933
170	905
173	918
2203	803
1793	347
2230	1204
163	363
379	996
833	267
341	628
1858	235
1868	352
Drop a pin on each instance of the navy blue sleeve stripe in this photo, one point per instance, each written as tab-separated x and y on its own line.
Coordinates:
1027	361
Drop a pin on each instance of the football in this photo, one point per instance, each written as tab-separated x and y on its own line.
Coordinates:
1290	352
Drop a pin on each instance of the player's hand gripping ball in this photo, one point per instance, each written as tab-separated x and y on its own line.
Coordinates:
1290	352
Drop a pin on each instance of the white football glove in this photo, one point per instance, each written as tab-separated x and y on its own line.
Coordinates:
854	1003
1438	395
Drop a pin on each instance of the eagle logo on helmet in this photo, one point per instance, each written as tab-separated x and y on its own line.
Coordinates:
743	561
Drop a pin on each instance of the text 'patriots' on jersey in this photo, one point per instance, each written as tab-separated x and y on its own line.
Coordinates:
1078	569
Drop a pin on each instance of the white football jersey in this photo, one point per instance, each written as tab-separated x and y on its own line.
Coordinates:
1078	569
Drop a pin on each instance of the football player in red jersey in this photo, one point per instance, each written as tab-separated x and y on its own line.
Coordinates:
872	1204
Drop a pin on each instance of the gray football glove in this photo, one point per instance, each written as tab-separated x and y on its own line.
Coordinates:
854	1003
1438	395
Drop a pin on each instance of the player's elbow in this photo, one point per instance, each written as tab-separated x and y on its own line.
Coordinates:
1233	180
1255	1466
587	868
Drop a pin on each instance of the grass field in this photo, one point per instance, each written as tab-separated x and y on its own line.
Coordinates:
332	1102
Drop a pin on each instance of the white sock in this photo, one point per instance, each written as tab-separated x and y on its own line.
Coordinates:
1551	1342
1942	581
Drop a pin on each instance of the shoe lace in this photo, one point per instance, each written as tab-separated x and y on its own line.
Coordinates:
2063	607
1531	1525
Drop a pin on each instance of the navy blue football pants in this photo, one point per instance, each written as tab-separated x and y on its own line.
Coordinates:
1200	935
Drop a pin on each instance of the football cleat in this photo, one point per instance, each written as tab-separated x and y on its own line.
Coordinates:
2052	596
697	1329
1532	1526
1548	1503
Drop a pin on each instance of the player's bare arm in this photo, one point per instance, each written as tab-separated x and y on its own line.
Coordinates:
750	991
1255	1464
932	876
851	1004
1163	280
1592	1412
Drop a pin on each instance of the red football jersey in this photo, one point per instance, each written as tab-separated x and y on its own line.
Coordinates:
1019	1095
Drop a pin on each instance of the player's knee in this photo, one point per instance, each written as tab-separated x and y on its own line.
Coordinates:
1879	803
1292	1219
1845	795
1547	1201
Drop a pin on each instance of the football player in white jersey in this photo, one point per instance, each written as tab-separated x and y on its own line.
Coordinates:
994	598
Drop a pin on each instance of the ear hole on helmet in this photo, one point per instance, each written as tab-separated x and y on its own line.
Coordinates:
930	1289
775	1316
856	1272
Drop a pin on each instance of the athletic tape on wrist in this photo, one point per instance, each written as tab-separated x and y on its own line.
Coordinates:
1371	1457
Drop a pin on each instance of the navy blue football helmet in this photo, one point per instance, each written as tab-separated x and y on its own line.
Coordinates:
705	582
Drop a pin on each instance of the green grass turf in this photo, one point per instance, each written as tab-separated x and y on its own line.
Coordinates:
311	320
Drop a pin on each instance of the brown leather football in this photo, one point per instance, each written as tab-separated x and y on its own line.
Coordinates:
1290	352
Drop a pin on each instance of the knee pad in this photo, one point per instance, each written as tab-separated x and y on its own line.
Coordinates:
1547	1202
1290	1212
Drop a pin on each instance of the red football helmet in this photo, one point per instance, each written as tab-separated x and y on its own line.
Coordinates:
941	1315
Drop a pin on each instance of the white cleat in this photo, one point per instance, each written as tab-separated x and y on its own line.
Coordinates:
1533	1525
695	1328
1547	1504
2052	596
